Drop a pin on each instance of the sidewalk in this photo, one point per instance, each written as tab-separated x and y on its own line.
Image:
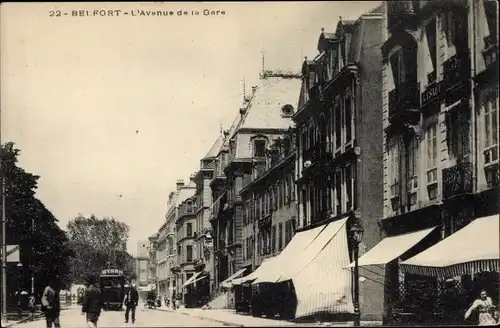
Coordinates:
230	317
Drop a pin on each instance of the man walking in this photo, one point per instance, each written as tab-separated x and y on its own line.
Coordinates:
50	303
92	302
131	300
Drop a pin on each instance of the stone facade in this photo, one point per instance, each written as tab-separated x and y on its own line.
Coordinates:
440	114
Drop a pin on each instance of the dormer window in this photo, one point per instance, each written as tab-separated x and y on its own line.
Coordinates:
259	148
287	110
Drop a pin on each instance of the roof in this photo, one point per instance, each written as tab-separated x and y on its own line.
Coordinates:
185	193
264	111
214	150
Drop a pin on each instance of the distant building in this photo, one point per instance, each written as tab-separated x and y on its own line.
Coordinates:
264	117
269	203
142	262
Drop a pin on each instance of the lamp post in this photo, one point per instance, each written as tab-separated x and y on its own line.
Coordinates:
356	234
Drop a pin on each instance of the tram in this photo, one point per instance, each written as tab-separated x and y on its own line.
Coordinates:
112	283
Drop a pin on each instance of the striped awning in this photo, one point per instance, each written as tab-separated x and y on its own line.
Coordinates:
296	246
302	260
227	283
252	276
472	249
391	248
323	285
191	280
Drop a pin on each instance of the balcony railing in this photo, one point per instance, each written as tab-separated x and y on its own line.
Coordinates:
404	101
457	180
456	70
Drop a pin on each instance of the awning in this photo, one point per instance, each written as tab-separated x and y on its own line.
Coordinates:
252	276
191	280
227	283
474	248
298	243
312	250
391	248
323	285
201	278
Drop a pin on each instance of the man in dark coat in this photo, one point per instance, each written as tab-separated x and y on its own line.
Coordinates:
92	302
131	301
51	306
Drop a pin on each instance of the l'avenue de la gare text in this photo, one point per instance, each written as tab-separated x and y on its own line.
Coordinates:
146	13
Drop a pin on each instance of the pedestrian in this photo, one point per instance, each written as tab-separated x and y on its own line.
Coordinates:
51	306
92	302
484	305
130	301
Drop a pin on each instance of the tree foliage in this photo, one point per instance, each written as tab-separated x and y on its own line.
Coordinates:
44	246
99	244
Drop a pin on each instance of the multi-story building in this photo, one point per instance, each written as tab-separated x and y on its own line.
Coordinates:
339	132
152	259
440	142
142	263
269	202
186	235
163	272
184	220
265	115
204	256
167	266
217	218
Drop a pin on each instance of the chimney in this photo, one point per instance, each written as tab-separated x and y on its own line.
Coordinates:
179	184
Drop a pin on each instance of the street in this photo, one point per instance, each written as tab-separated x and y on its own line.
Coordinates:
144	318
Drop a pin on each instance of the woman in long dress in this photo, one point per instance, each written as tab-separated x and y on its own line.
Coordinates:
485	307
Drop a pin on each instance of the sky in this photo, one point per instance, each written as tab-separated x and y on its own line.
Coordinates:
126	105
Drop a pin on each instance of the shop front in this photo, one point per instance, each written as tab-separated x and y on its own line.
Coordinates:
197	290
461	266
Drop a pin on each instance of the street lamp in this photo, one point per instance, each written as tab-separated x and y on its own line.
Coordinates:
356	234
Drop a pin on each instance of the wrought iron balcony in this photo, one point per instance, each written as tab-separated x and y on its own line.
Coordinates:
456	70
457	180
431	93
404	102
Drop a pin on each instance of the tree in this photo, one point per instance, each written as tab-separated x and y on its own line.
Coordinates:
98	244
44	246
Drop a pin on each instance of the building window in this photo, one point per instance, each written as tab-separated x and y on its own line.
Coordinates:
292	187
349	181
338	191
189	230
280	236
432	159
459	135
348	116
259	148
259	244
189	207
338	125
398	68
273	239
430	31
456	28
287	232
412	177
265	242
394	171
490	146
287	191
189	253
